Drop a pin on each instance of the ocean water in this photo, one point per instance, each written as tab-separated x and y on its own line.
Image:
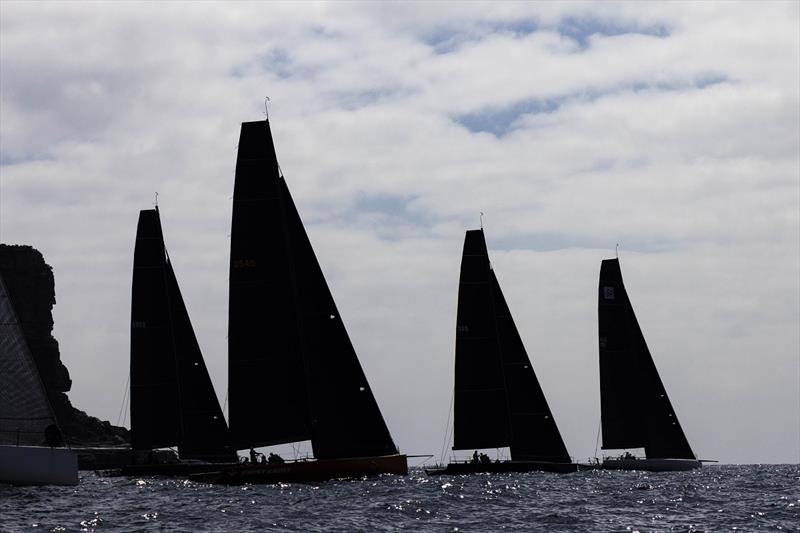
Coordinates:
715	498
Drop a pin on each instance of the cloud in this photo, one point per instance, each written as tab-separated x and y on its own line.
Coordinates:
671	129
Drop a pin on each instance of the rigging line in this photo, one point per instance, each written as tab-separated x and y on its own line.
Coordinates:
447	426
597	441
127	407
423	462
127	411
450	440
124	398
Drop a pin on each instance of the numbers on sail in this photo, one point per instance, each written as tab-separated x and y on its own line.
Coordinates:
244	263
138	324
462	329
603	342
608	293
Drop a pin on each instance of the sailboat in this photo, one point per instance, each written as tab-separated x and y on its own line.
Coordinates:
172	399
31	443
635	409
498	401
293	374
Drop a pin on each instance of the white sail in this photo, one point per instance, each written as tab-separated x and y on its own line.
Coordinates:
25	413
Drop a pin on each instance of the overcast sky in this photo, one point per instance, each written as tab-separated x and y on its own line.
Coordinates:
672	129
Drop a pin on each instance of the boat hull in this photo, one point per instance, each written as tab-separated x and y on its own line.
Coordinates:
35	465
455	469
652	465
169	469
103	457
307	471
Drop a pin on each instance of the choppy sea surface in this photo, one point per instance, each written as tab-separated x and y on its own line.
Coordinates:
715	498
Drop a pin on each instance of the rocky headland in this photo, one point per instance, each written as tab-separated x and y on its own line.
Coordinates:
31	287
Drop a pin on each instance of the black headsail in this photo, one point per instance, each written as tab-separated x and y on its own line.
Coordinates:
172	399
498	399
204	433
346	419
284	325
635	409
534	433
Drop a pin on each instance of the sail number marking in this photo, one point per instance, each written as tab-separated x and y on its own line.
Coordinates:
608	293
244	263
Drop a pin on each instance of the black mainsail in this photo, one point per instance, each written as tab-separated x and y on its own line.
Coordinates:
635	409
293	372
480	405
498	399
267	398
173	402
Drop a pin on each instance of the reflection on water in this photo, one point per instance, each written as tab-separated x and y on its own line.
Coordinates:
747	498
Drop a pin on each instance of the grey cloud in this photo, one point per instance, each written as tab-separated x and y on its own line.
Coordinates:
673	131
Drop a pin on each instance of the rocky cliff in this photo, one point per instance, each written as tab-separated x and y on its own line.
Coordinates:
31	286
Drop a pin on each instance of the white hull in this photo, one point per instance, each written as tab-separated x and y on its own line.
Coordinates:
652	465
34	465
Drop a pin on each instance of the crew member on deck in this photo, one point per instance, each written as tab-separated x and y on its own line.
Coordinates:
275	459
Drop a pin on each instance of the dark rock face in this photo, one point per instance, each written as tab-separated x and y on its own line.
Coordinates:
31	286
